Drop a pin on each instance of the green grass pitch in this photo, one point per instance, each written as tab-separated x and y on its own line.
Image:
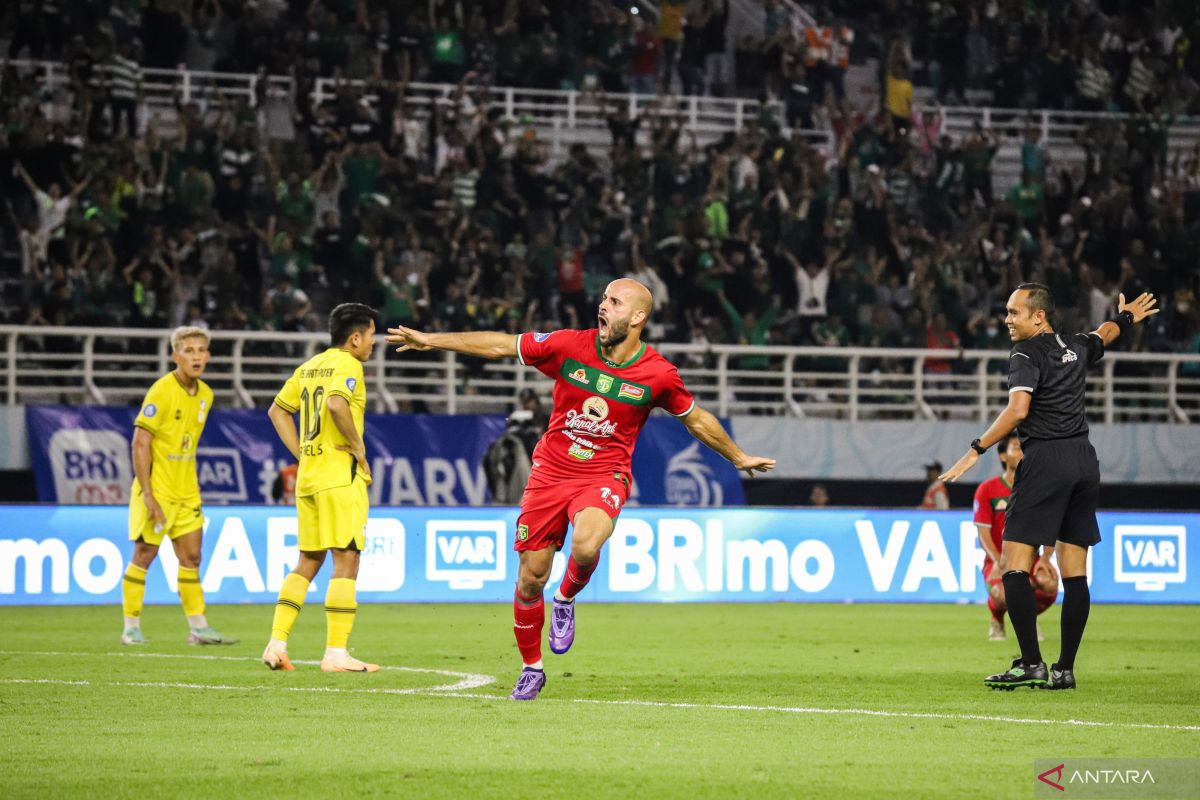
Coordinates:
688	701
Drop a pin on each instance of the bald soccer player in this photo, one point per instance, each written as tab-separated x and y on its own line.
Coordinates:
606	383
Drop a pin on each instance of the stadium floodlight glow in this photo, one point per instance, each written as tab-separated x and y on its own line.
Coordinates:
634	10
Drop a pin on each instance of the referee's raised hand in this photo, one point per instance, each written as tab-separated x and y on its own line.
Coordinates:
1140	309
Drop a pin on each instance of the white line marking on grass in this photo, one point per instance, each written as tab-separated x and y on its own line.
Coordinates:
467	680
864	712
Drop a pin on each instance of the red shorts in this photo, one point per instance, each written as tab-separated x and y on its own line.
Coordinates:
549	505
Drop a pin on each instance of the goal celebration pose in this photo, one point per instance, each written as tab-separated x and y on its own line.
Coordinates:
606	382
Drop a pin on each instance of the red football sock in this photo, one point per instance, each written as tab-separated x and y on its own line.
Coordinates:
1043	600
996	609
528	618
576	577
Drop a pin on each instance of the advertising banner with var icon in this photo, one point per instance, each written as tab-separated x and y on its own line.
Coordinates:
82	455
76	555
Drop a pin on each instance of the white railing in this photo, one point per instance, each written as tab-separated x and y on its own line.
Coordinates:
561	110
116	366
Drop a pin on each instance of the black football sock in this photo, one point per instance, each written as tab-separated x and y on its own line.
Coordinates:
1022	611
1077	602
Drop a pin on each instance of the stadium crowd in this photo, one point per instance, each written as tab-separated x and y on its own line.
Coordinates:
460	219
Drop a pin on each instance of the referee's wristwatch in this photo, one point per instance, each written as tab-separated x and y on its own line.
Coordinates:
977	447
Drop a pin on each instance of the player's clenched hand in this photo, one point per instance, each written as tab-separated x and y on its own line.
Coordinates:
407	338
1140	308
753	464
360	455
957	471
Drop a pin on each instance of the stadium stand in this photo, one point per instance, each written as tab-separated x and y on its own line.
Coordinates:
446	170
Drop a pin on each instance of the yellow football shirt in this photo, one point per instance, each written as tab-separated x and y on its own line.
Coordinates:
334	372
176	419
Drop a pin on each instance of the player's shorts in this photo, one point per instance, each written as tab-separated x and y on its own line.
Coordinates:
549	505
1055	494
183	517
334	519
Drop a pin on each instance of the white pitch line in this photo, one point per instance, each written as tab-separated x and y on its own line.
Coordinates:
468	680
222	687
422	692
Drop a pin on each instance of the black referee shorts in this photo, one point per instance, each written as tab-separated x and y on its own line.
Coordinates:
1055	494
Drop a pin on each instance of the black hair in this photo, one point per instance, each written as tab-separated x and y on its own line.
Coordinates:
1039	298
347	319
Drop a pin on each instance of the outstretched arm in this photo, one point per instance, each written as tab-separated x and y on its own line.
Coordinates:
707	428
485	344
1138	310
1016	410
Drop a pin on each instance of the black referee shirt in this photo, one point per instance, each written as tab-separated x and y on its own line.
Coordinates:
1053	368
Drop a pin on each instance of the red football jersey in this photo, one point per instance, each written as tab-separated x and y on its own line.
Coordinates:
991	501
599	407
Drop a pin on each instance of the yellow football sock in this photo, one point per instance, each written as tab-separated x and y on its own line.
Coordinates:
340	608
133	590
190	593
287	607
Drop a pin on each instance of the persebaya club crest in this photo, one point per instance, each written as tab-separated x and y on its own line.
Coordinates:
522	533
604	383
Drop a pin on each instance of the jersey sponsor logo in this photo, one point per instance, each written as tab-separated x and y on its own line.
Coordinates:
999	504
631	391
596	408
541	337
581	453
150	410
611	498
200	416
604	383
1068	356
593	427
580	376
350	384
187	442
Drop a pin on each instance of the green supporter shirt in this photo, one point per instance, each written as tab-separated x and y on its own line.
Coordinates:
362	177
1028	200
759	334
398	301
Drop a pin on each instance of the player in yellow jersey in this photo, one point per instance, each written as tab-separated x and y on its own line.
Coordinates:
165	498
331	486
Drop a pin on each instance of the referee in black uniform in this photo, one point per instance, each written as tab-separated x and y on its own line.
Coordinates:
1054	496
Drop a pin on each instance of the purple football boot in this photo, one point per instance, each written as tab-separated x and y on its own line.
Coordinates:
529	684
562	627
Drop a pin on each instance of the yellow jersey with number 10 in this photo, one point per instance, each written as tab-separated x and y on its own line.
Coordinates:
334	372
176	419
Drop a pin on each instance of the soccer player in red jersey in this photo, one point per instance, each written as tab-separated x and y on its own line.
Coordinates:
606	383
991	502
